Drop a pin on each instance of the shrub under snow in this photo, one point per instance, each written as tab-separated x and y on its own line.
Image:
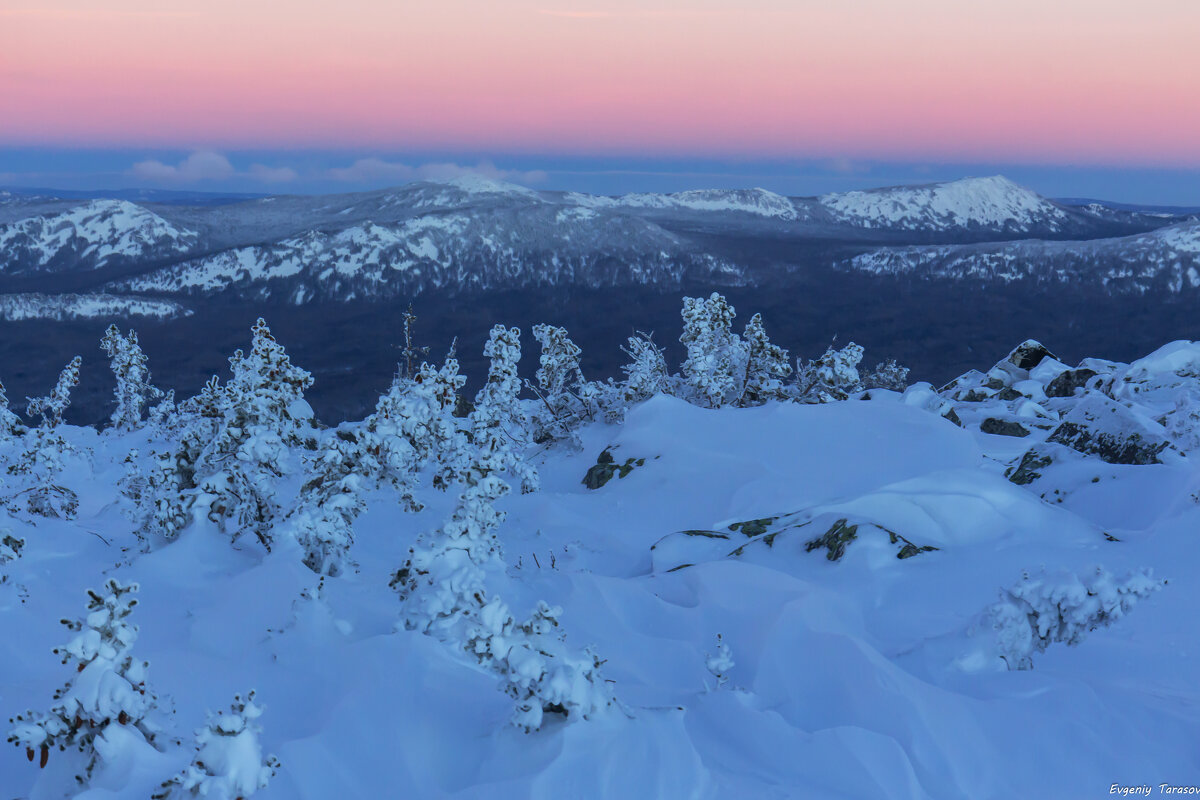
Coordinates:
106	704
1062	607
229	762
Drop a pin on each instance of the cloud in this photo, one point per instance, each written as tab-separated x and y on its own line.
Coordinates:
208	165
376	170
846	166
267	174
202	165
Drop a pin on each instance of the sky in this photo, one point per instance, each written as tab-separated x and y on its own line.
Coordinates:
1072	97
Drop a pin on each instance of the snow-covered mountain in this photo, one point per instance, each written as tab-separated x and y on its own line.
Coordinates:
759	202
89	236
1167	259
472	234
540	244
974	204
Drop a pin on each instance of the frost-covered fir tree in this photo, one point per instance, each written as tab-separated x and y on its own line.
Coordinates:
834	376
234	445
716	356
646	374
1062	607
887	375
718	664
443	590
229	762
35	487
498	423
565	396
10	423
412	433
767	366
105	709
52	407
536	666
134	390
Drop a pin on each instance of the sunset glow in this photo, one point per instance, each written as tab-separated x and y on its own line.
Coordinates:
1096	82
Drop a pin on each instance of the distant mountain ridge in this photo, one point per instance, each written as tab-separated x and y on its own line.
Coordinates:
476	234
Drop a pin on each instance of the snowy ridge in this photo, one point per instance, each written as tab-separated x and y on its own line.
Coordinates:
745	201
91	235
994	203
62	307
1166	259
540	246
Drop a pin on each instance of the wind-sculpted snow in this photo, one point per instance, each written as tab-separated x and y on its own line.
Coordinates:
994	203
1167	259
90	236
542	246
62	307
745	201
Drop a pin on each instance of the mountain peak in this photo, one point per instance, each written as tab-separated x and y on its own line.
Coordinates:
990	203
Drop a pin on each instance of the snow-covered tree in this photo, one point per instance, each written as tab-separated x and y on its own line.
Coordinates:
52	407
886	375
536	666
36	469
767	366
106	707
1062	607
10	423
716	356
412	432
646	374
133	390
498	423
229	762
718	664
232	445
559	380
834	376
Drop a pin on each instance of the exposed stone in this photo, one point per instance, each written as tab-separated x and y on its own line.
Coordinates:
835	540
1008	394
1003	427
1066	384
605	467
753	527
1029	354
1104	428
1027	470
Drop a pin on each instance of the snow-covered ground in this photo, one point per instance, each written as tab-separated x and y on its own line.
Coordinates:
869	675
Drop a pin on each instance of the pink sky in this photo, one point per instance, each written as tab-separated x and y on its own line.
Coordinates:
1053	81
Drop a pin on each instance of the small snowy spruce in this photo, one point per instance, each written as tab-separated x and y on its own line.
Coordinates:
52	407
10	423
235	446
887	375
103	711
128	364
767	366
646	374
719	663
1062	607
498	422
36	488
229	762
716	357
834	376
559	380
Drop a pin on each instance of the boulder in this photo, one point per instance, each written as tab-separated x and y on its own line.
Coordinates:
1003	427
1069	382
1104	428
1029	354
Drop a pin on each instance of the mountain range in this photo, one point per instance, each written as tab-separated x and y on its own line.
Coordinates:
473	234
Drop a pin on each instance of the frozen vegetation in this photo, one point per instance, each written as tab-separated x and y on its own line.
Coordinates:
745	575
